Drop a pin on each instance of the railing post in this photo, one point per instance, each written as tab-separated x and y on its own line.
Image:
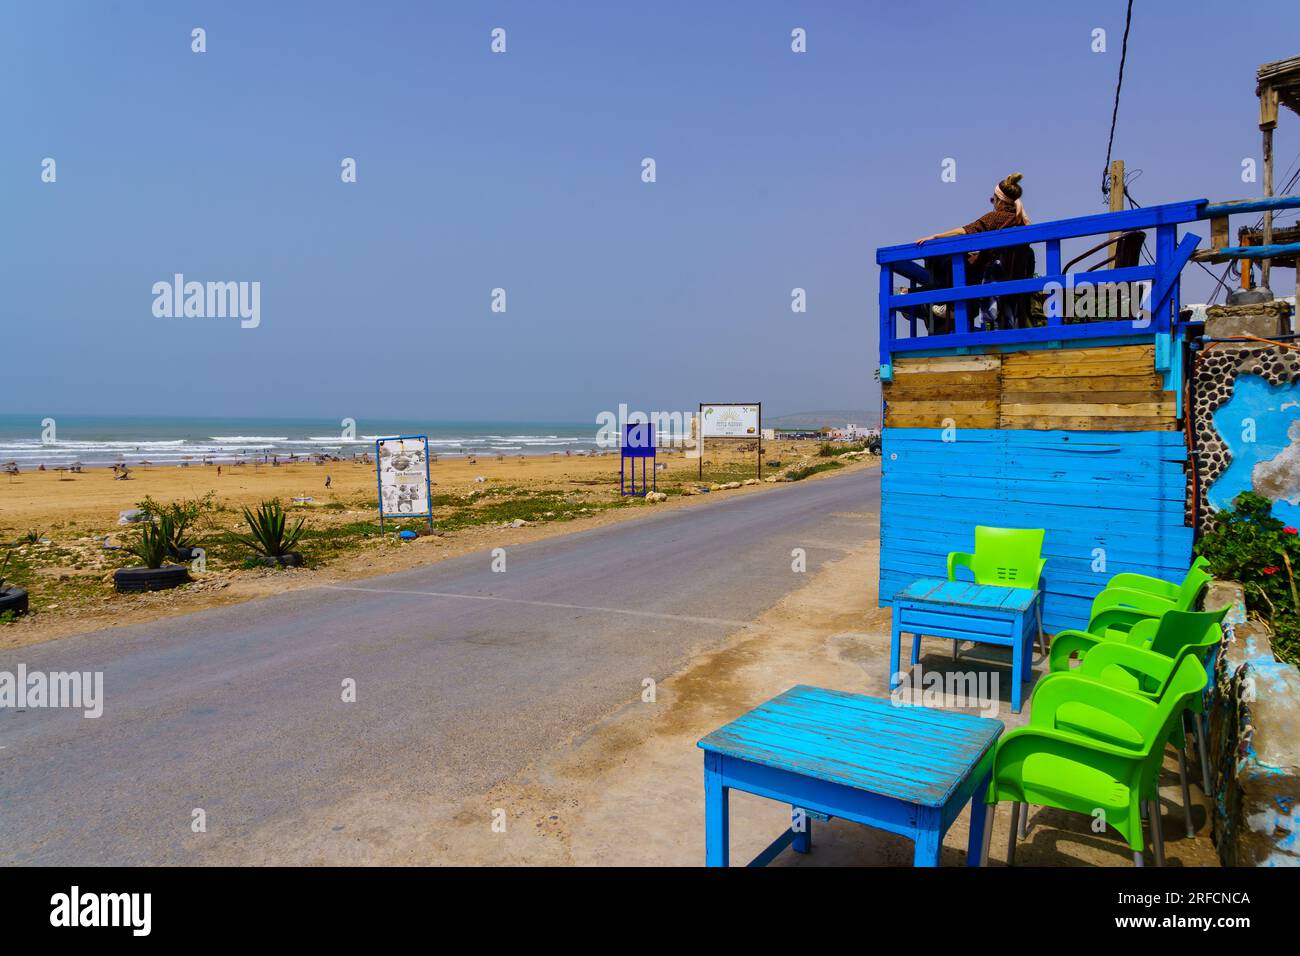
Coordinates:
1052	268
961	308
886	315
1166	240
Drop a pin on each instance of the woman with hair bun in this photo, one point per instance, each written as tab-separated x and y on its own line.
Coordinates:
1007	211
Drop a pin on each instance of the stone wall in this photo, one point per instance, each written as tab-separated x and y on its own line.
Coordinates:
1254	742
1214	380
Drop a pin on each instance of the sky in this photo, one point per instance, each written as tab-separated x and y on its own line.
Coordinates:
523	171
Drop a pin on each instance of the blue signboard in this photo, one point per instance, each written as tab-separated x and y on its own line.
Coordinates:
638	442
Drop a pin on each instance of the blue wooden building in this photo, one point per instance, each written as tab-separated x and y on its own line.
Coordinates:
1048	394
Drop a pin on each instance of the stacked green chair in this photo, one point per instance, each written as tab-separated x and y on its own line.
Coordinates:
1123	605
1009	557
1144	664
1090	746
1158	587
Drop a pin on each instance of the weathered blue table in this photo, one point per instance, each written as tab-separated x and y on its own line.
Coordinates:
908	770
984	613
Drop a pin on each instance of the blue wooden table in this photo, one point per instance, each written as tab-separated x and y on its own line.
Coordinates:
962	611
908	770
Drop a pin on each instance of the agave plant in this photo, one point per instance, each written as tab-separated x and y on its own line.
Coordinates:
178	523
270	535
150	545
5	567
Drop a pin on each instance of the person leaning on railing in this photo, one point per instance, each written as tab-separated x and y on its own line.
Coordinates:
1007	211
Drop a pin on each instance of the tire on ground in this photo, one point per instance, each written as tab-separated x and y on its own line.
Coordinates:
134	580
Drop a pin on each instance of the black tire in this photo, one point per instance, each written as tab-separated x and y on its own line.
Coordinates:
13	599
291	560
139	579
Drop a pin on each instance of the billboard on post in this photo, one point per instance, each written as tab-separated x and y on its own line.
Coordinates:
402	464
729	421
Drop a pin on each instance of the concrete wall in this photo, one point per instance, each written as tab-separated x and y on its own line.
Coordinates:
1254	741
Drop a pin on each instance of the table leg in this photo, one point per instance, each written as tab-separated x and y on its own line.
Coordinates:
801	824
978	819
1017	663
916	648
894	638
928	839
717	825
1042	638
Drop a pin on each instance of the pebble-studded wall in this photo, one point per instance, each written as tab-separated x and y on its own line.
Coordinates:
1214	381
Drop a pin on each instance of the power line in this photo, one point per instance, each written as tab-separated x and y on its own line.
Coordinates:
1114	111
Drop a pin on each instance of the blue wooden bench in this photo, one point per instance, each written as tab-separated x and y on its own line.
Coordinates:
908	770
983	613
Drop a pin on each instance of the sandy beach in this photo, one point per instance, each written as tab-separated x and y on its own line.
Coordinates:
67	541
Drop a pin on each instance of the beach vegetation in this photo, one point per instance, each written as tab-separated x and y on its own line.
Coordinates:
799	474
149	543
831	449
184	519
269	533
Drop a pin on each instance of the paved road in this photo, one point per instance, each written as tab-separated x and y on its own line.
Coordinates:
462	677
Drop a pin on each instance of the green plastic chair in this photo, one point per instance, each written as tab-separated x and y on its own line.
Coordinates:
1008	557
1159	587
1145	665
1073	768
1116	610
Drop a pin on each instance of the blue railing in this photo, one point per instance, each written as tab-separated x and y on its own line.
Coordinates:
903	315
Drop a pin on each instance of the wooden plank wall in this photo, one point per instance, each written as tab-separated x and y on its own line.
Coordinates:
1120	492
1097	389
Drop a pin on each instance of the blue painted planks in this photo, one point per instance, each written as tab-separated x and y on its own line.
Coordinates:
915	754
967	594
1110	501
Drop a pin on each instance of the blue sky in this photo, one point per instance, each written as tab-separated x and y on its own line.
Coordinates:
522	171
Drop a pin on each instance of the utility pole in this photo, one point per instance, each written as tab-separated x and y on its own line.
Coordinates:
1267	122
1116	200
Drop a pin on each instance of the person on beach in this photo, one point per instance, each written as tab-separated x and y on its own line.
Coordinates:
327	482
218	471
1007	211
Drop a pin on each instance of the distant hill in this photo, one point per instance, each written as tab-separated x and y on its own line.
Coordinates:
835	418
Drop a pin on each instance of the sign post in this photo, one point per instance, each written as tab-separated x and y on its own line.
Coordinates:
402	473
638	442
731	421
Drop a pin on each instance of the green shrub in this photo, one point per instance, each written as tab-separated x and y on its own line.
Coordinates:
1250	546
835	449
269	534
150	543
799	474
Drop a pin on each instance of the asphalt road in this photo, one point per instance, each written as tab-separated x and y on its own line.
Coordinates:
462	677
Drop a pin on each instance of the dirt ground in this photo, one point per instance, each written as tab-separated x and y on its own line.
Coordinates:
630	792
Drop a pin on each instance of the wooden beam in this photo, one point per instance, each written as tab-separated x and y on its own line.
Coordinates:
1116	198
1268	190
1219	231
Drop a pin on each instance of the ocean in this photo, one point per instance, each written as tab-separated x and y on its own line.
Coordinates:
93	441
